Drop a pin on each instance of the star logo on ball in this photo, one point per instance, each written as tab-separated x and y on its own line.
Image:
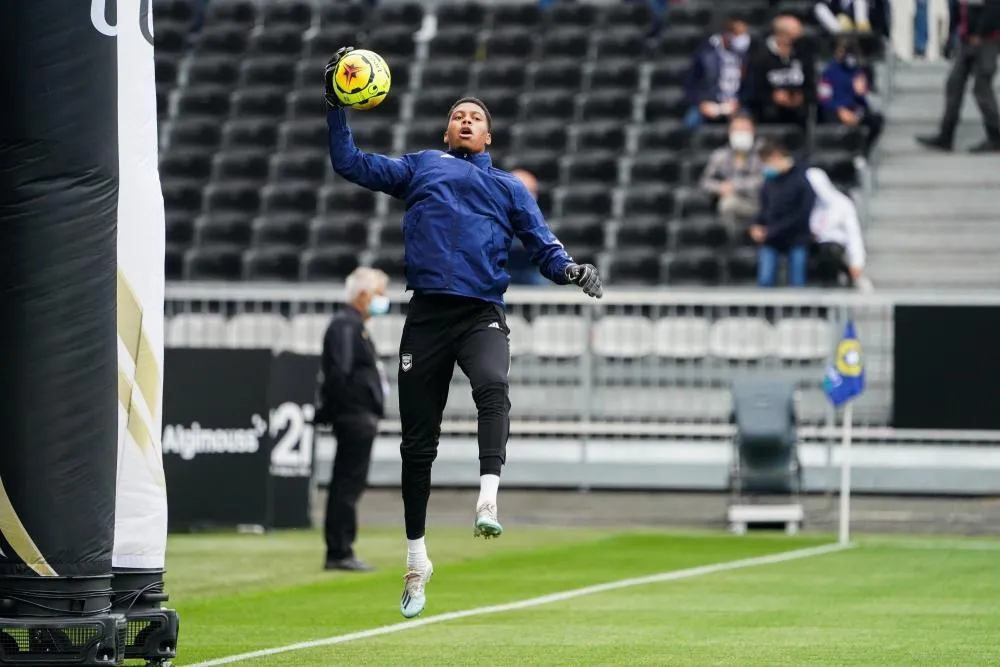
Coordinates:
350	72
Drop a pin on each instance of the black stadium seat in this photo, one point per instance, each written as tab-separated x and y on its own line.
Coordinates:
690	15
400	15
550	135
353	200
204	101
328	264
461	15
303	134
692	267
591	167
246	133
509	43
599	135
653	199
543	164
343	13
700	232
268	71
232	196
271	263
305	103
620	42
390	235
566	43
644	231
300	165
667	104
247	164
276	41
835	137
453	43
446	72
231	229
325	43
174	261
236	13
392	43
391	261
547	105
617	75
628	15
288	229
224	39
182	195
170	38
606	105
669	73
583	199
656	167
219	70
424	134
289	197
519	16
574	14
289	13
508	73
666	135
172	10
259	102
216	262
179	228
338	230
741	266
682	41
839	165
579	230
186	163
634	266
557	74
504	104
693	202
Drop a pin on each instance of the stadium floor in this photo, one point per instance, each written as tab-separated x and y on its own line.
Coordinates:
869	514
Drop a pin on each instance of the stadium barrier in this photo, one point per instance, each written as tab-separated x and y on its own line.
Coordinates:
631	391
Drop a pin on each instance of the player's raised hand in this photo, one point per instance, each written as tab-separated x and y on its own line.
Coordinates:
328	74
587	277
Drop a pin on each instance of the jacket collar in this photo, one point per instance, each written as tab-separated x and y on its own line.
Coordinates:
481	160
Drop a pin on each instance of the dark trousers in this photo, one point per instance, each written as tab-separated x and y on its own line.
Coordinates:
980	62
831	264
355	435
874	122
439	332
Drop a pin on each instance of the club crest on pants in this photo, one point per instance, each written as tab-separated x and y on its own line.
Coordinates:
406	361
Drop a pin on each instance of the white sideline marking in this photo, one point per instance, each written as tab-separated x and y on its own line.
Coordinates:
534	602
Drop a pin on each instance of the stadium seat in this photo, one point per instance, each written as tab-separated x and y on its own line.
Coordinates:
244	133
621	42
666	104
300	165
343	13
690	15
170	38
339	230
328	264
559	336
305	333
390	234
605	105
216	70
448	72
579	230
336	200
215	262
392	43
255	330
627	15
424	134
271	264
623	336
742	338
224	39
317	47
173	265
391	261
645	231
278	71
243	165
305	103
791	135
281	229
543	164
179	228
195	330
199	133
707	138
548	105
839	165
508	43
232	196
669	73
289	197
453	43
665	135
506	73
229	229
571	14
655	167
692	167
565	42
305	133
692	267
504	104
803	339
241	14
520	335
288	13
694	203
652	199
259	102
599	135
165	66
399	15
634	266
179	11
833	137
582	199
557	74
681	337
182	195
275	41
741	265
590	167
386	332
434	103
186	163
517	16
681	41
699	232
204	101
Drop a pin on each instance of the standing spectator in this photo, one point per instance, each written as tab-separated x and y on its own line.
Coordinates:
735	174
976	56
519	265
713	82
351	398
786	205
844	91
780	85
835	227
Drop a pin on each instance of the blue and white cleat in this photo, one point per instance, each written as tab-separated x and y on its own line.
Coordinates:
413	599
487	525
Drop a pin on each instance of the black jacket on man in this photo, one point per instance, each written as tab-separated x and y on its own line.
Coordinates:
786	203
768	72
350	371
978	18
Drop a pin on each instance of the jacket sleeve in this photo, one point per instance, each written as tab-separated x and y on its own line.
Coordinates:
710	181
841	208
369	170
702	87
336	364
750	184
798	216
547	252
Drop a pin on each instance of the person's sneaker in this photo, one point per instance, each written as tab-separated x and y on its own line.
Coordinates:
413	599
487	525
987	146
936	143
352	564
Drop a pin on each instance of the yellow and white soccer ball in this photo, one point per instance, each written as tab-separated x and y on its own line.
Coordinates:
361	80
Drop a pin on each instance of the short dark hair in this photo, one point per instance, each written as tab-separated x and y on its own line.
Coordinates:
771	147
479	103
742	115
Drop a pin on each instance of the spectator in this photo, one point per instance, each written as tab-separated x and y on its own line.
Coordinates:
786	204
844	91
735	174
976	56
840	16
519	265
713	82
835	227
780	85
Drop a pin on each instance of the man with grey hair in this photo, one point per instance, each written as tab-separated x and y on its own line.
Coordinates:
351	399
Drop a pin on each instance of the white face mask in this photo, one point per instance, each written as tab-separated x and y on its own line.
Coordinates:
741	141
741	42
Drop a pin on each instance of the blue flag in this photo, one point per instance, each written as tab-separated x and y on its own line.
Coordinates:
845	377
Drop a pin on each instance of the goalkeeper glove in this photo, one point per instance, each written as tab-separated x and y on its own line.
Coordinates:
587	277
330	72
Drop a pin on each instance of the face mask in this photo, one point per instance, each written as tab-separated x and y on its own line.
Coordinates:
771	172
741	141
379	305
851	62
741	42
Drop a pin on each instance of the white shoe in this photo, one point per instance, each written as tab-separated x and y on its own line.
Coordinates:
487	525
413	599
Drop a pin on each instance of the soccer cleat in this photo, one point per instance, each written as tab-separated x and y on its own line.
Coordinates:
413	599
487	525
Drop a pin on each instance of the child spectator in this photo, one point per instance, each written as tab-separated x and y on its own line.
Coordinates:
844	90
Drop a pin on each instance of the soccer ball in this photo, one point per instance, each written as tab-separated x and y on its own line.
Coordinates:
361	80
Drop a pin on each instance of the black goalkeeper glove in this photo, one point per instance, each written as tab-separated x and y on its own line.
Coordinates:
329	72
587	277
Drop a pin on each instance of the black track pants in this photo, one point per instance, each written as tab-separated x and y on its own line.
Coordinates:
440	331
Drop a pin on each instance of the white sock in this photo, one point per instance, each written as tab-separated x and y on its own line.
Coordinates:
488	487
416	552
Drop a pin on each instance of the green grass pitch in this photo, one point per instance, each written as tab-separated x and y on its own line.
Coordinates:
888	601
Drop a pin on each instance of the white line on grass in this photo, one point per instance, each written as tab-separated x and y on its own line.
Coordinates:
533	602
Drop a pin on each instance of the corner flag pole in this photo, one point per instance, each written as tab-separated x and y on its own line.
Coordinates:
845	475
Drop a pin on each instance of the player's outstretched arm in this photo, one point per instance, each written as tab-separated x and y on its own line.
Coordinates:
369	170
547	252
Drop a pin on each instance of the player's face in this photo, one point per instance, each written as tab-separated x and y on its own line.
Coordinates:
467	129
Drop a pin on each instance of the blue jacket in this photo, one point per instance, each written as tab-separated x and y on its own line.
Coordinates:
461	216
836	91
786	203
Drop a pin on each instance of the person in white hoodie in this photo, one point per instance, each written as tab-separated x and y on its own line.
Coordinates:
835	227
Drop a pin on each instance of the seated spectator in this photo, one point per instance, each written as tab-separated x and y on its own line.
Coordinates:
519	265
840	16
844	91
780	84
786	205
713	82
734	174
835	227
